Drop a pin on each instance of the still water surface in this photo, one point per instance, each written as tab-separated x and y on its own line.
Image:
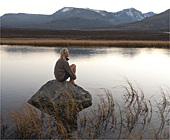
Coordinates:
25	69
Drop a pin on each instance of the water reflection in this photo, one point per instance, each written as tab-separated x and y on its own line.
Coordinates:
23	74
26	49
84	51
129	52
126	52
77	52
24	69
74	52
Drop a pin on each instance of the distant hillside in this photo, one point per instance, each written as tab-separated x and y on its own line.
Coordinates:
157	22
73	18
22	20
75	23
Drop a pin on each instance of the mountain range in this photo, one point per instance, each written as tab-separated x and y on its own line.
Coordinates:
69	18
157	22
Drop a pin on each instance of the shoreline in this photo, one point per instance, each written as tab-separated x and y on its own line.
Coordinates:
53	42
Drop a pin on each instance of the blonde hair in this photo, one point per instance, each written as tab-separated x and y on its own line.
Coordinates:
63	52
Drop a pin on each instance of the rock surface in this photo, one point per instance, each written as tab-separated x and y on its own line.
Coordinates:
61	94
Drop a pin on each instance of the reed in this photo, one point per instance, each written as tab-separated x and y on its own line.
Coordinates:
86	43
134	118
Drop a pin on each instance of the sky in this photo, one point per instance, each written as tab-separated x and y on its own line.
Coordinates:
49	7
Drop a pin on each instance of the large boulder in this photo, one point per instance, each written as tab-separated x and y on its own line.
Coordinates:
60	97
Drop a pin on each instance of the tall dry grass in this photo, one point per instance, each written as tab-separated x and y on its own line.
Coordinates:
135	118
85	43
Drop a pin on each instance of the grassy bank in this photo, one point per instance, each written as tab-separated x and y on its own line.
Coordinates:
84	43
136	118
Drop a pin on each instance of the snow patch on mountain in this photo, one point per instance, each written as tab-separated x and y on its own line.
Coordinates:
134	13
66	9
129	12
148	14
98	11
101	12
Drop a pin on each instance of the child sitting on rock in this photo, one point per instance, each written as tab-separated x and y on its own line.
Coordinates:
62	70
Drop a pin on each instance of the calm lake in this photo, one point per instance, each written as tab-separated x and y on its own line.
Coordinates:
25	69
